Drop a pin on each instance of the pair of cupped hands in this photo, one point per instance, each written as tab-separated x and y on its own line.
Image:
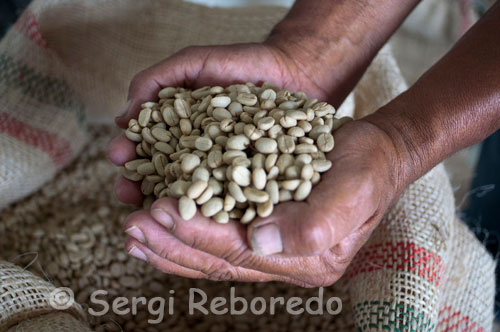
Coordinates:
308	243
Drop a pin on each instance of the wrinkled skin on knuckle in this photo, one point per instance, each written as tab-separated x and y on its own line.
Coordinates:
139	79
240	255
197	242
314	237
164	252
221	272
134	218
175	256
333	263
324	269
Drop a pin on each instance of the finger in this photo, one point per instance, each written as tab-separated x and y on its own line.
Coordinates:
145	229
121	150
140	251
228	241
181	69
128	192
156	237
340	204
222	240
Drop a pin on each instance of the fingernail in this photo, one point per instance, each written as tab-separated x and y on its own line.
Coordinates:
163	217
125	111
136	233
137	253
266	240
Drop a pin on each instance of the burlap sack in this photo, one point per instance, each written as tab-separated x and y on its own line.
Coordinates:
25	303
65	61
56	321
421	271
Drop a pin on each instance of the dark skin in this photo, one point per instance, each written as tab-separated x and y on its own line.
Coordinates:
454	105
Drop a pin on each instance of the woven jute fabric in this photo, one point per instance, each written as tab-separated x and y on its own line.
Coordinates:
65	61
55	321
24	295
422	270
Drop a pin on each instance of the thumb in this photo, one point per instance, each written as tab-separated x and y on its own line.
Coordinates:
178	70
333	211
289	230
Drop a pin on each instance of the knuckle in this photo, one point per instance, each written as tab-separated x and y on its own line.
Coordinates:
220	272
315	237
133	219
139	79
334	265
164	252
219	276
169	252
198	242
239	255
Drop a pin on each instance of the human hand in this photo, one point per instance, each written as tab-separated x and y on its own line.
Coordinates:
310	243
374	160
213	65
307	243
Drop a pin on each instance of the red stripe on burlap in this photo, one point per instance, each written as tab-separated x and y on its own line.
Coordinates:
56	147
459	321
28	25
400	256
